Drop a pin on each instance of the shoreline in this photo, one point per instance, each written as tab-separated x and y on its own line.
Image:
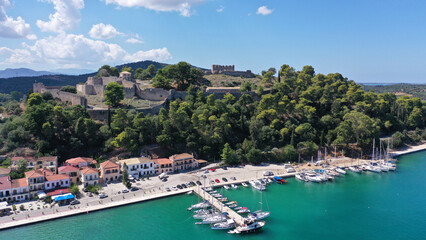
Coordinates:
249	173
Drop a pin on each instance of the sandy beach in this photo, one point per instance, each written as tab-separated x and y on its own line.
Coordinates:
154	188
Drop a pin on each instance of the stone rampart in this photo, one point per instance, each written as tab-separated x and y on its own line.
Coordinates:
153	94
72	98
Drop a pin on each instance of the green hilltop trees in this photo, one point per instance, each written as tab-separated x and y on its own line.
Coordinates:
301	112
114	94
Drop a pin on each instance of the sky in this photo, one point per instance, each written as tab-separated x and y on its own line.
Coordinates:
380	41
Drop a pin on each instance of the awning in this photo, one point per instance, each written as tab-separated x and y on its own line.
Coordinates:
63	197
41	194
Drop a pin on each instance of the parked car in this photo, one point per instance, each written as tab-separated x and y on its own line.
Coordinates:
212	169
224	168
207	171
164	179
174	188
85	190
199	183
134	189
268	173
224	179
168	189
125	191
179	186
103	195
217	180
233	178
193	184
184	185
75	202
211	182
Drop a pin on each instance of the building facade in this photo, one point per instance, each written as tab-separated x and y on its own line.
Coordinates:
183	162
110	171
89	176
163	165
72	172
138	167
80	162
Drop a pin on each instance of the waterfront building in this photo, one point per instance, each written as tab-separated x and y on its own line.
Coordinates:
137	167
80	162
72	172
89	176
57	181
20	190
5	189
36	179
163	165
110	171
183	162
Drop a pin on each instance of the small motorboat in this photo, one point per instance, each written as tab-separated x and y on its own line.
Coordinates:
340	170
233	206
235	186
229	224
250	225
243	210
244	184
230	203
226	187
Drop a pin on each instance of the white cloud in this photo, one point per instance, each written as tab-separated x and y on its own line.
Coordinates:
181	6
67	16
67	49
264	10
134	41
103	31
11	28
220	9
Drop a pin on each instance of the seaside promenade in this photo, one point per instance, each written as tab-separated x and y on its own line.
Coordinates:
154	189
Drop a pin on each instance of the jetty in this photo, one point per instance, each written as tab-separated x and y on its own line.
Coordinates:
219	205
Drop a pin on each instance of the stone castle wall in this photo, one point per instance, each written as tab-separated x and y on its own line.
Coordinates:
217	69
153	94
72	98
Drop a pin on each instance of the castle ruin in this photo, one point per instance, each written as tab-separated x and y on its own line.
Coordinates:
230	71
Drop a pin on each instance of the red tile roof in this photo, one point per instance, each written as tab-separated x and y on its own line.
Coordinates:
5	183
65	169
57	177
38	173
48	159
30	159
160	161
4	171
58	191
181	156
20	182
109	164
80	159
88	170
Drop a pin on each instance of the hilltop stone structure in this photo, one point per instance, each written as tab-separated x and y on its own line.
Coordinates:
230	70
56	92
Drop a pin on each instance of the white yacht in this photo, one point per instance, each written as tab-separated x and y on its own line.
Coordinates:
250	225
243	210
204	204
257	185
234	186
259	215
301	177
244	184
213	219
229	224
313	177
341	171
205	213
355	169
226	187
373	169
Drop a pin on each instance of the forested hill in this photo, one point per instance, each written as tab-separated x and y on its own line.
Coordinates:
23	84
304	111
400	89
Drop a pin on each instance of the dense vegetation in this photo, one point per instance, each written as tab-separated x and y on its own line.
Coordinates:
302	112
415	90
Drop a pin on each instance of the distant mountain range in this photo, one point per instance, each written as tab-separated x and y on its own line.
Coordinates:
22	72
22	79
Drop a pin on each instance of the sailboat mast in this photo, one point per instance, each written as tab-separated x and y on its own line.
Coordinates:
374	143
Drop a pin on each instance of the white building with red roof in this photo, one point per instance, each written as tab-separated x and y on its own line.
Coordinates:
19	189
89	176
36	179
72	172
50	163
57	181
5	189
80	162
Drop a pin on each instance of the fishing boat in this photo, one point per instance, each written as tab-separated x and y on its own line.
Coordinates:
244	210
250	225
235	186
279	180
244	184
269	180
226	187
229	224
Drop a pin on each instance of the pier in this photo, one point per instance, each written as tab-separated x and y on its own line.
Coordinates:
219	205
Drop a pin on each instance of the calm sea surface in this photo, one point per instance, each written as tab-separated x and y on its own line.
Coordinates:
367	206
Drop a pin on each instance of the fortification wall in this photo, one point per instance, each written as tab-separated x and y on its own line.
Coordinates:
222	68
86	89
72	98
152	94
246	74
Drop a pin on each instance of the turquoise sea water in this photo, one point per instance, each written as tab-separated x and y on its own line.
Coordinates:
367	206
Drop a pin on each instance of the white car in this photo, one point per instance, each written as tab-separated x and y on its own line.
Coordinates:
174	188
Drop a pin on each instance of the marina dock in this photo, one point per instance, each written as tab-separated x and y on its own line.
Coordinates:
219	205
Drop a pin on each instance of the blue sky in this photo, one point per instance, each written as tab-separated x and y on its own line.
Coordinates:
367	41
